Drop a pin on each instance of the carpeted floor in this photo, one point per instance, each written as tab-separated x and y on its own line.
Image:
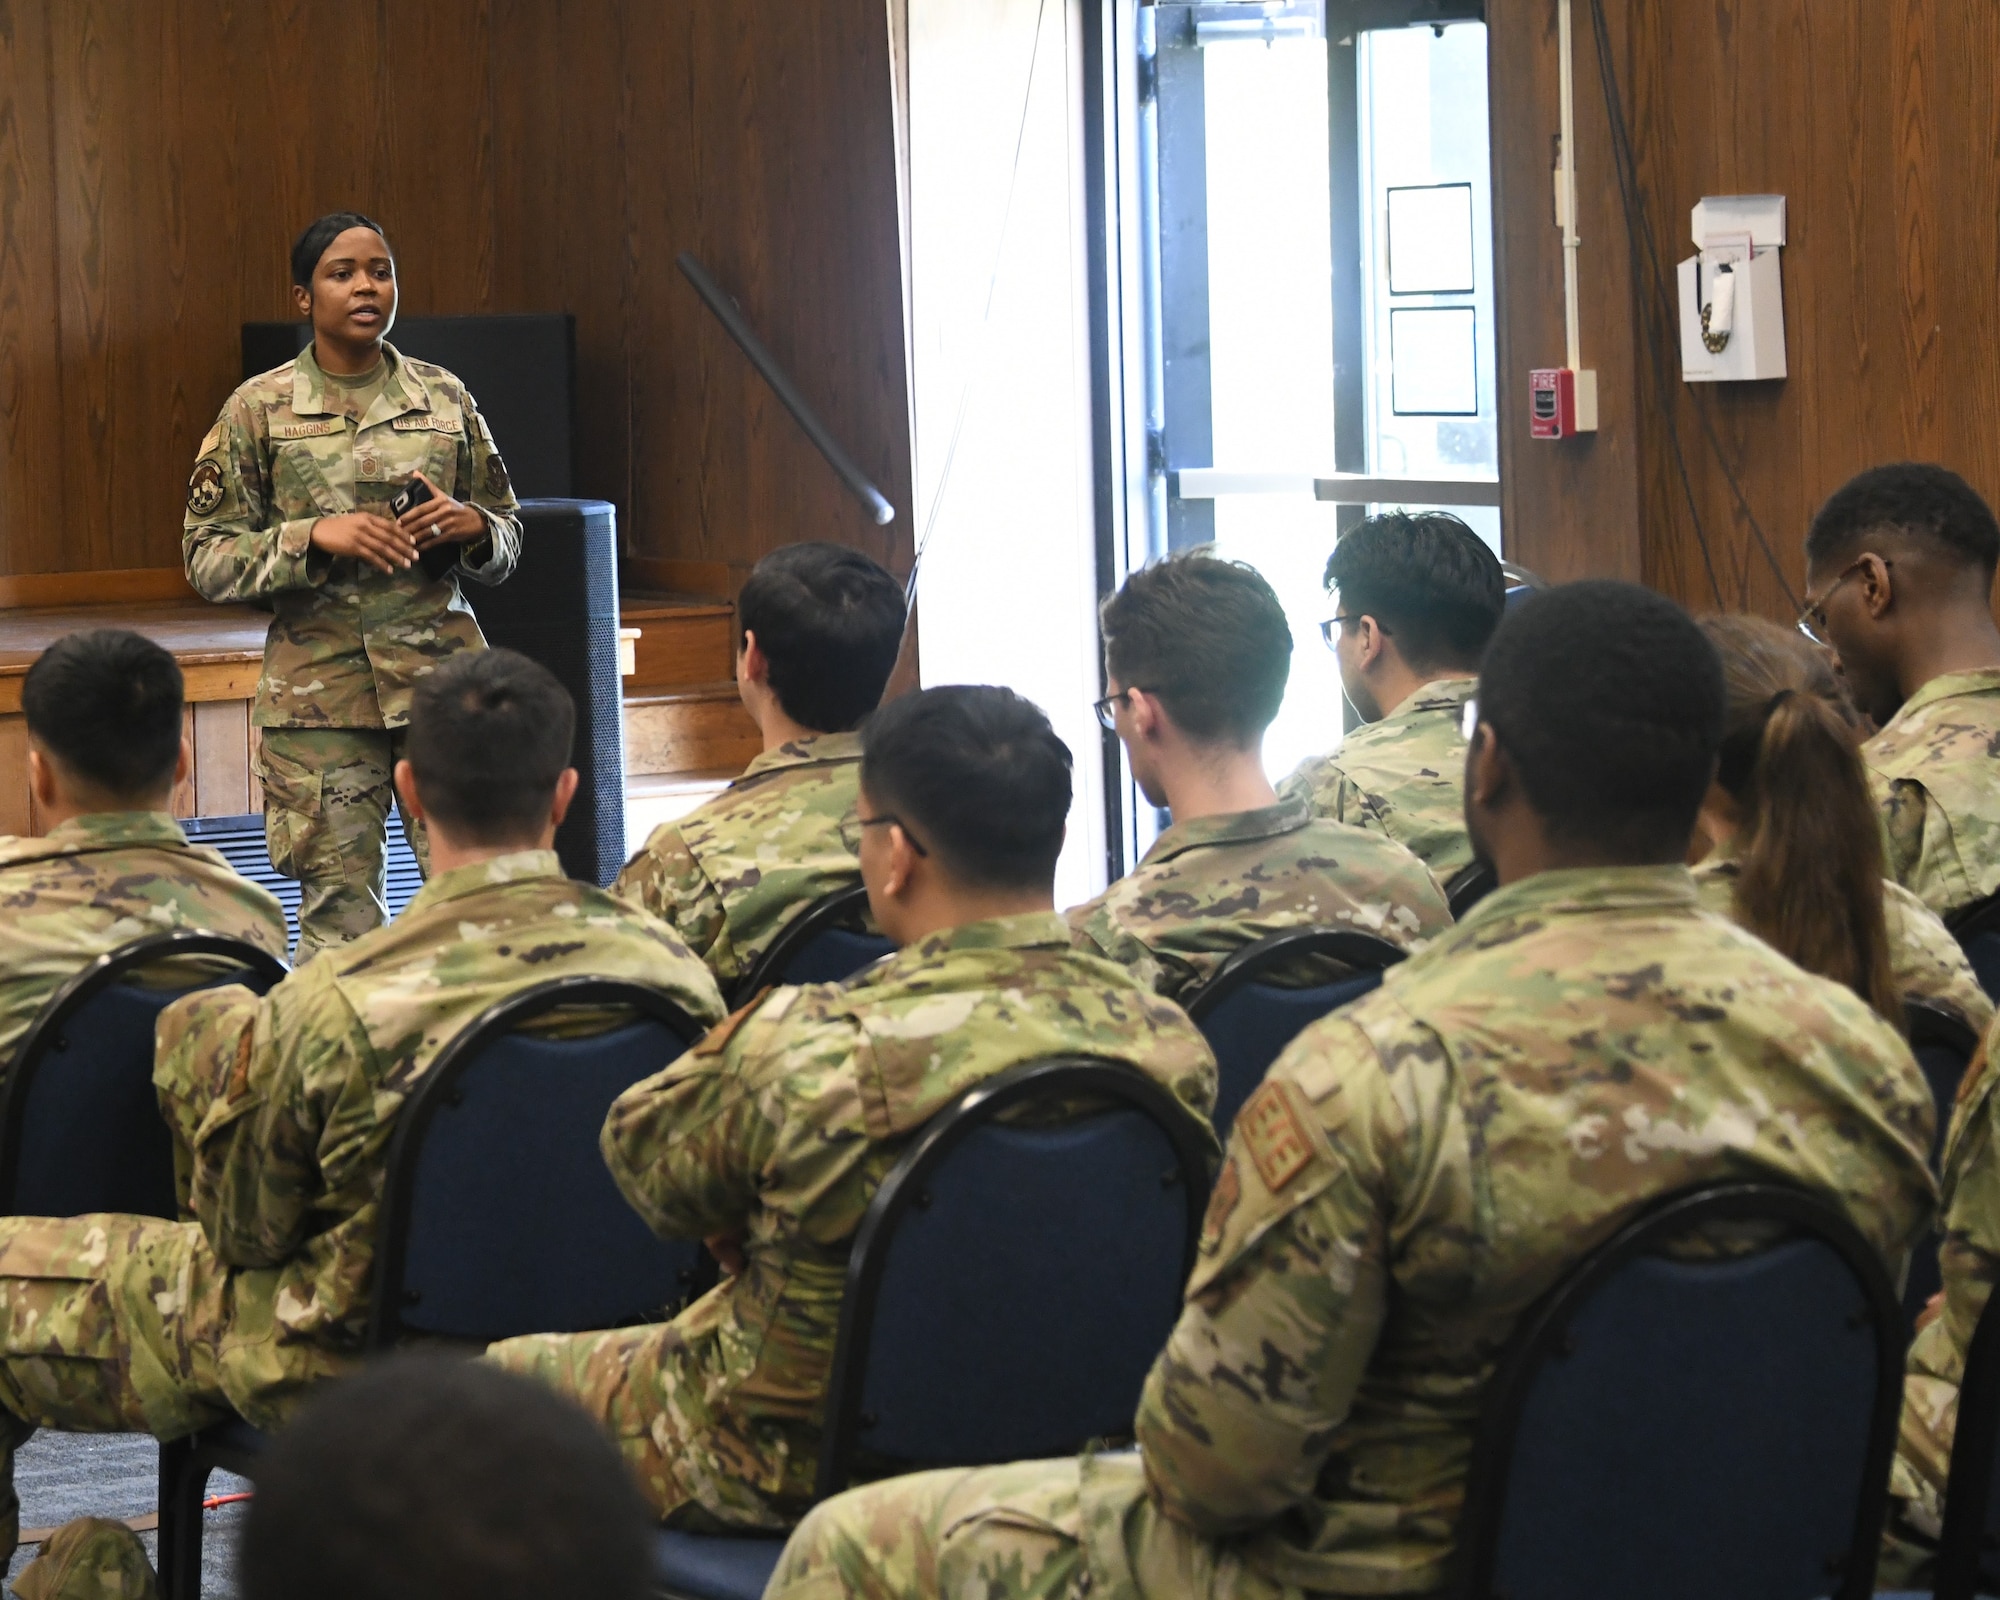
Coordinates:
64	1475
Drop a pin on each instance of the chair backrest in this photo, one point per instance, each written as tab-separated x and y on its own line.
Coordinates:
1012	1283
1662	1426
1943	1045
1249	1020
1469	886
80	1123
1968	1560
824	943
499	1216
1977	929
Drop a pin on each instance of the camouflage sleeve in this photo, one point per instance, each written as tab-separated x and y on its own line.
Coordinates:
1929	963
687	1146
1969	1257
665	879
249	1077
1902	806
491	493
1288	1294
230	545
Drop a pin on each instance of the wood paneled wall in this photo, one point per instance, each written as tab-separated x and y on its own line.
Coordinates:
157	158
1880	123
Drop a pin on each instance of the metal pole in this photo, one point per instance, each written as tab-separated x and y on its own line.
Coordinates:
728	314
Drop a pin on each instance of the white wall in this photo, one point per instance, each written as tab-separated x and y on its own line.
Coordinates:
1007	585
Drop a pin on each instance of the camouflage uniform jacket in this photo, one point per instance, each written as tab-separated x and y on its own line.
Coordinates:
1211	885
347	643
1935	770
283	1107
780	1126
1926	960
101	881
1418	1168
1969	1262
732	873
1403	776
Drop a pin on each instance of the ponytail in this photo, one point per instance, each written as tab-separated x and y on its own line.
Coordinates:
1810	851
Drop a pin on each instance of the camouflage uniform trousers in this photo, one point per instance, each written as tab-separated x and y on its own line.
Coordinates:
1036	1530
327	793
630	1381
108	1324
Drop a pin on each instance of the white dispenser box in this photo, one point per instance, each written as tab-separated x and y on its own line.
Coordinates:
1732	302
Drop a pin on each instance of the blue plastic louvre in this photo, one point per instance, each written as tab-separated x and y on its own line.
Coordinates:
241	842
510	1178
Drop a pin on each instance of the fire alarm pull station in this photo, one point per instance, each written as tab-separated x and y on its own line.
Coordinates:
1561	403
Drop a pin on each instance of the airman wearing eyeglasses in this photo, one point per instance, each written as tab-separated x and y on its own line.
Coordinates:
1419	596
1899	583
770	1137
1198	652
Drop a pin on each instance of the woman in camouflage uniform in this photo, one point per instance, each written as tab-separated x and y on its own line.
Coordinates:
290	507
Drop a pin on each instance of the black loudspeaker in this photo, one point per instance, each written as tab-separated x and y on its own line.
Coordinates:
521	371
561	608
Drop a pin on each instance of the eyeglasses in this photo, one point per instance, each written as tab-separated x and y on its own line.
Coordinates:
1107	708
1329	629
1812	615
852	826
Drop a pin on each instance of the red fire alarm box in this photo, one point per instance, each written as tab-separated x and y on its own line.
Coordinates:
1552	402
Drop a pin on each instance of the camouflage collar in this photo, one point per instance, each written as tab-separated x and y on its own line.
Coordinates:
99	830
1948	686
1027	930
1581	891
827	750
461	881
1232	827
1440	694
402	391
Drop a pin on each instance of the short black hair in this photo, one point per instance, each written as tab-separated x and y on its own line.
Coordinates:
1609	701
977	776
490	734
321	232
1426	578
1920	501
1209	638
107	705
431	1477
829	620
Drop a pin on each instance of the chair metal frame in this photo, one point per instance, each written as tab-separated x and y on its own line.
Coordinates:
231	1446
1544	1328
840	909
1469	885
1971	1471
903	1190
77	992
1364	952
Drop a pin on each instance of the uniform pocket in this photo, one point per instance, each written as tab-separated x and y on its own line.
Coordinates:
292	801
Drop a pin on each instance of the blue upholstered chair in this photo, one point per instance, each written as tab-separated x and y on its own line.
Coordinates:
1977	929
1662	1427
80	1123
498	1216
1008	1290
1943	1046
1469	886
1248	1020
826	942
